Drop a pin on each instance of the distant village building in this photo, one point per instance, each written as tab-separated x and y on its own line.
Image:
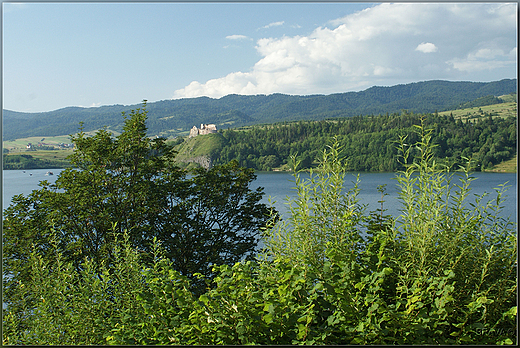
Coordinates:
204	129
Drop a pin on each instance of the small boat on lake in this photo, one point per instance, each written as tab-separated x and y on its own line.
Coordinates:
49	173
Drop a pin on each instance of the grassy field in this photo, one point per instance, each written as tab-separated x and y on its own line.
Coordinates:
496	110
505	167
20	145
199	146
54	156
50	154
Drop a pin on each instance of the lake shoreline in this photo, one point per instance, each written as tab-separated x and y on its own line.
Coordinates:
498	171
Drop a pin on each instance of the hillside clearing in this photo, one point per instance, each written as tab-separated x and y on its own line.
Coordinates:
496	110
508	166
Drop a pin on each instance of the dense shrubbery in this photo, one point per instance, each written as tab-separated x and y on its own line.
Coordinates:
443	272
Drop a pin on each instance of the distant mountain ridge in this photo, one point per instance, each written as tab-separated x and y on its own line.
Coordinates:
174	117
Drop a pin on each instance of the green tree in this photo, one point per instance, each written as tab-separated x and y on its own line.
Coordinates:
213	218
130	183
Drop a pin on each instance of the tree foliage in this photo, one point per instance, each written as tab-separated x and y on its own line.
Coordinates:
368	141
130	184
442	272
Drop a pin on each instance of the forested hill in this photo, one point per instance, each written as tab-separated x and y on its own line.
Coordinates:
174	117
369	142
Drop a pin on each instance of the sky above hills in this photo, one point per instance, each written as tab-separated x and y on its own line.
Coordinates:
90	54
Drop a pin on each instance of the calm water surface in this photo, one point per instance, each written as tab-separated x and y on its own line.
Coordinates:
279	186
24	182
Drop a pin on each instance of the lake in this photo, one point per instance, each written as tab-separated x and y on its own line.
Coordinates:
279	185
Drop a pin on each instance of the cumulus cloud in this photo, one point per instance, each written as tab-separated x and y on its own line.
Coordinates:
426	47
381	45
237	37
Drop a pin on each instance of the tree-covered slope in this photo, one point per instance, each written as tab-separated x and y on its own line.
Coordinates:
369	142
176	117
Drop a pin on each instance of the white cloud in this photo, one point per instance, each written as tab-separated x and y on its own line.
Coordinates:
274	24
237	37
379	46
426	47
484	59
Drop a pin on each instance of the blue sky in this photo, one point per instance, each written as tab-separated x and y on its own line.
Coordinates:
90	54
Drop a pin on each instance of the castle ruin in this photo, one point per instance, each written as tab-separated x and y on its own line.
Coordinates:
204	129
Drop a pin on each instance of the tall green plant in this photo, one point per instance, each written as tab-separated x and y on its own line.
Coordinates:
444	239
322	216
